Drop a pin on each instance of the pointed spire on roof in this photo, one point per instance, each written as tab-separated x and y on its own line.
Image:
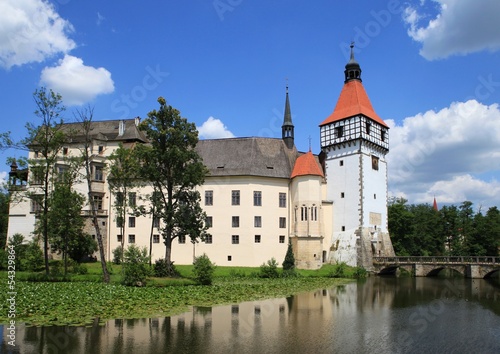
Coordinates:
287	129
352	68
435	205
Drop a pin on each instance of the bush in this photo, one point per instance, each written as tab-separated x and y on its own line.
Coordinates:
118	255
203	270
163	269
339	270
33	257
20	248
360	273
269	270
79	268
135	266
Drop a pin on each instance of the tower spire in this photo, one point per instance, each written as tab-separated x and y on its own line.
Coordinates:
352	68
287	129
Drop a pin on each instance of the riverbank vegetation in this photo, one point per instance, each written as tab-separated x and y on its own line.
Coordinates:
83	299
421	230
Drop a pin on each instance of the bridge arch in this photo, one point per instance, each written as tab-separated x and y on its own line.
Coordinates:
436	270
490	273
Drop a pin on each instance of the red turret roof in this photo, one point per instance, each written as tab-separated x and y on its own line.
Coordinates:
353	100
305	165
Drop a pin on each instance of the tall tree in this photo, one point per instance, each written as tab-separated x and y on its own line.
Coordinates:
46	140
123	176
65	221
171	165
85	116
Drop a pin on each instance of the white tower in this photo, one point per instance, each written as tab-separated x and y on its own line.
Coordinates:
354	143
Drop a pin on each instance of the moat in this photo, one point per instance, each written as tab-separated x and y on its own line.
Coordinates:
376	315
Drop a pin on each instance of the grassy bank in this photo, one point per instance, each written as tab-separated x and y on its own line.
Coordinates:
85	298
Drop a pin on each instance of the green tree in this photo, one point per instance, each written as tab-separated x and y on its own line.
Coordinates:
400	221
171	165
46	140
136	266
85	117
203	270
123	171
4	217
289	262
66	223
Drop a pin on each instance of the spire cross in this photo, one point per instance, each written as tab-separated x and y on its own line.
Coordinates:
286	82
309	143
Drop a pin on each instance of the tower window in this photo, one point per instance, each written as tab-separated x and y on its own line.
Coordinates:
235	239
303	213
375	163
257	222
368	126
236	221
282	239
341	163
339	131
382	135
343	228
342	195
257	238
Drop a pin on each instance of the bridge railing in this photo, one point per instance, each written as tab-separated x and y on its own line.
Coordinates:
437	260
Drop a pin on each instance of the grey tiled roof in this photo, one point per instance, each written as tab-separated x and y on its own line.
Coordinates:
107	130
266	157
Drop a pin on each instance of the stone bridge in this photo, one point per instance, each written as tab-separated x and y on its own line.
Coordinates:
470	267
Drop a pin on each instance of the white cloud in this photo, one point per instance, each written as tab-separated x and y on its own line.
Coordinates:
76	82
31	31
213	128
100	18
443	153
460	27
3	178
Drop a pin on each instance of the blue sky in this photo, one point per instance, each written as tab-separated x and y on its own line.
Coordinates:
430	67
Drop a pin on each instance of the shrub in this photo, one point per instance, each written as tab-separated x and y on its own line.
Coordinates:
269	270
33	257
135	266
79	268
360	273
339	270
118	255
17	242
203	269
163	269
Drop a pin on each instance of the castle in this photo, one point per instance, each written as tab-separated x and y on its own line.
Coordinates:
260	193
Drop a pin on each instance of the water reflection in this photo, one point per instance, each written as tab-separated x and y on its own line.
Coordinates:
379	315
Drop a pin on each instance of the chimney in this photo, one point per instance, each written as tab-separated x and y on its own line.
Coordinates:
137	121
121	128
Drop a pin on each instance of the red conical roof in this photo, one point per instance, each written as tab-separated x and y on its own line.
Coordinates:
305	165
353	100
435	205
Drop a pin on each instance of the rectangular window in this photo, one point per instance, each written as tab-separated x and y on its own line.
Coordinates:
97	202
209	197
61	172
235	221
257	238
65	151
257	221
303	213
156	222
208	239
341	163
339	132
132	199
235	197
343	228
382	135
36	175
36	206
156	238
98	173
282	222
257	198
119	238
368	126
100	149
209	221
342	195
131	238
282	239
131	221
235	239
182	239
282	200
119	199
